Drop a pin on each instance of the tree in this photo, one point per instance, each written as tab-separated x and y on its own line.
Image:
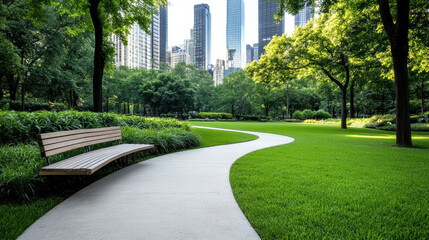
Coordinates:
396	27
235	94
109	17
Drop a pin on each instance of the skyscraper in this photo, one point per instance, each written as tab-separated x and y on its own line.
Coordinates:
143	50
303	16
219	72
202	28
155	43
235	32
179	54
137	53
163	33
249	53
255	52
266	23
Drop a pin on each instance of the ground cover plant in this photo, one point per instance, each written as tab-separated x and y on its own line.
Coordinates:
15	217
381	122
333	184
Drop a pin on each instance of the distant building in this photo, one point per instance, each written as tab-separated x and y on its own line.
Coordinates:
255	52
137	53
231	70
235	32
179	55
249	54
219	72
303	16
163	33
168	57
143	50
202	31
266	23
190	47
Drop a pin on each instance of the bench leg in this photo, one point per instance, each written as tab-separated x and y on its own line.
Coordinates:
47	160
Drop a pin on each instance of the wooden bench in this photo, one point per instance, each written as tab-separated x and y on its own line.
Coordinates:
90	161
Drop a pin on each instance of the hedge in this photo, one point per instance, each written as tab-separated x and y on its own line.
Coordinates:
20	159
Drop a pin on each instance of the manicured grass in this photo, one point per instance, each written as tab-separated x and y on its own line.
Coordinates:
211	137
333	184
15	218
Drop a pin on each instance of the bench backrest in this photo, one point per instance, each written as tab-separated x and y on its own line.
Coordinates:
58	142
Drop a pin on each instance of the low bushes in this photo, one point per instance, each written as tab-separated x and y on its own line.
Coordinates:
31	105
381	122
309	114
20	159
23	127
214	115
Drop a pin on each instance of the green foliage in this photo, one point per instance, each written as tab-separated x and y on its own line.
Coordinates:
23	127
213	115
165	139
20	160
333	184
20	166
308	114
14	219
31	106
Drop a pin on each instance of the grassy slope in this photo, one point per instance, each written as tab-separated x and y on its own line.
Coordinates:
333	184
15	218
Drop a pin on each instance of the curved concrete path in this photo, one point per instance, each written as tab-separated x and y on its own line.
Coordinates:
183	195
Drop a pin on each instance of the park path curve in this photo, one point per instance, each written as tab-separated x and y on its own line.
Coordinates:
182	195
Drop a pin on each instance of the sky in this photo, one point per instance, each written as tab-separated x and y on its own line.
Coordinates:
181	20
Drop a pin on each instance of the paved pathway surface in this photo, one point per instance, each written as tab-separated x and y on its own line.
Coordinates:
183	195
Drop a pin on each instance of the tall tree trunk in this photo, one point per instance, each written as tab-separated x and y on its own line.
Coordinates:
107	103
13	86
352	99
423	96
99	57
287	100
398	38
344	108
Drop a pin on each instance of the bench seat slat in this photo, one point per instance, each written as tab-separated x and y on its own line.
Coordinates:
49	141
74	132
60	150
79	165
87	140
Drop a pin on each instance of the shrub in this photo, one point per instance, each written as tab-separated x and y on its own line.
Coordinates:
31	105
308	114
23	127
20	163
214	115
298	115
415	119
249	117
19	170
322	114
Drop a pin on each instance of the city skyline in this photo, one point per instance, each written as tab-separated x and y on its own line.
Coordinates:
181	20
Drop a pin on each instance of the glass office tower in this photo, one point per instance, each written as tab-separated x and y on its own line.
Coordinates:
235	33
303	16
266	23
202	31
163	19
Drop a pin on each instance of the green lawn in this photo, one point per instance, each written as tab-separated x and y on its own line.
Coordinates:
210	137
15	217
333	184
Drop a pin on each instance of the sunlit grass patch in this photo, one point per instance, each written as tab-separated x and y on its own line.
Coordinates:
332	183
